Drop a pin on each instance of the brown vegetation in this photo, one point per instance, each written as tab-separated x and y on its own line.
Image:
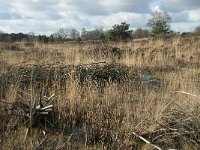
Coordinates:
127	95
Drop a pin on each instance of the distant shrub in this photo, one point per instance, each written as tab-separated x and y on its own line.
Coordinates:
119	32
197	31
159	23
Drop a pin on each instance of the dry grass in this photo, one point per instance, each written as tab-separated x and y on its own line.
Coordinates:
107	95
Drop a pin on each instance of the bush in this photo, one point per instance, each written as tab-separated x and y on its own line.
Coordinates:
119	32
159	23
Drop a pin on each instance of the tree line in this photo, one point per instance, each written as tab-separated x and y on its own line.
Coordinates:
159	26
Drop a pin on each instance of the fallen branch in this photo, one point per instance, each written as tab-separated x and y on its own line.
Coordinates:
187	93
146	141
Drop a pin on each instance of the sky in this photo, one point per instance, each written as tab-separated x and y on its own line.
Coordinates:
47	16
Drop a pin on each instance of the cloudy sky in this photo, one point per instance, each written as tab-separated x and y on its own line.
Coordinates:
47	16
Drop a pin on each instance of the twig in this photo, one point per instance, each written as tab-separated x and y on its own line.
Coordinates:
27	130
69	138
48	99
46	107
187	93
146	141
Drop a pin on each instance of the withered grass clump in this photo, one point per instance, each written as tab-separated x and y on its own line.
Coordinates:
132	95
106	52
12	47
33	76
102	73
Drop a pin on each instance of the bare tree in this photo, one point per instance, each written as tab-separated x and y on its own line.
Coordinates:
62	33
83	33
91	35
140	33
74	34
197	30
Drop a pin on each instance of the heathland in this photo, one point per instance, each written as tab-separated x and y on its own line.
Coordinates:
141	94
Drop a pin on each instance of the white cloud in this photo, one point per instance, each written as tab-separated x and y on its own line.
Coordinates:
136	20
137	6
9	15
85	7
178	17
30	25
184	27
181	11
156	8
45	9
179	5
47	16
193	15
